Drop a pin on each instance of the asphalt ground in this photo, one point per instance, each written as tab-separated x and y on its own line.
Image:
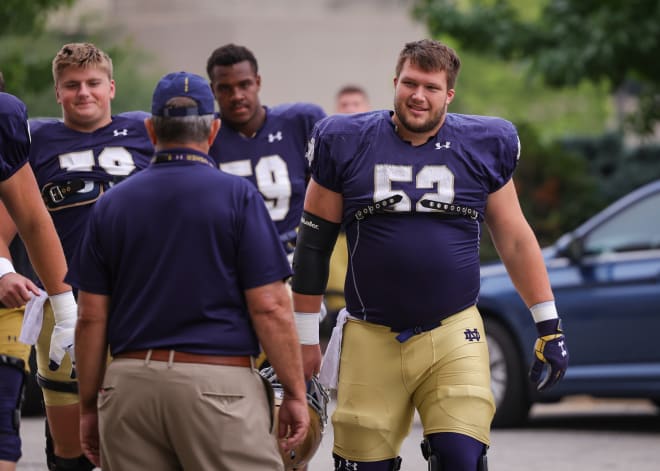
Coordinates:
576	434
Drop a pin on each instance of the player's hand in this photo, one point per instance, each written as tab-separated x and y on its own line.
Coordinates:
549	350
16	290
89	437
311	357
293	422
65	311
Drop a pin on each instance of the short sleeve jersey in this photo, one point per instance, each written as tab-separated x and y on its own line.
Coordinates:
175	247
410	266
273	159
14	135
98	159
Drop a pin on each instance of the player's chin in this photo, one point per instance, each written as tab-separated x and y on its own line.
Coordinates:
417	124
239	115
85	113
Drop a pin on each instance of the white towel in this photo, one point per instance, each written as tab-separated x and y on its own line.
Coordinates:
329	374
33	318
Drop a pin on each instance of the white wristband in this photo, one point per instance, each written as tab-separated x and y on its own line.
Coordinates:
544	311
64	306
307	324
6	266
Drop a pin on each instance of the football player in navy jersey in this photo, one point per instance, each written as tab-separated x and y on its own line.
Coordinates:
75	160
21	201
266	145
411	188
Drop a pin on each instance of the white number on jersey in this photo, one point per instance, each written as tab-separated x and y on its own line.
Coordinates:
116	161
272	177
430	176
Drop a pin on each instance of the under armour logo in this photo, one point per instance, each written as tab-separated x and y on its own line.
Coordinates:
563	350
472	335
446	145
350	466
275	137
123	132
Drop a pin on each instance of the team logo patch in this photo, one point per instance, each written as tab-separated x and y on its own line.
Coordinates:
472	335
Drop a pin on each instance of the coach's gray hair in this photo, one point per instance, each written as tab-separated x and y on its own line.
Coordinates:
182	129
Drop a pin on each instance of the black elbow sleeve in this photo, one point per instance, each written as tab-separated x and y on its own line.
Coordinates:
311	258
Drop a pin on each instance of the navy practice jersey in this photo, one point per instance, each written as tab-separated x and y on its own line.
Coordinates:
95	161
408	266
175	247
274	159
14	135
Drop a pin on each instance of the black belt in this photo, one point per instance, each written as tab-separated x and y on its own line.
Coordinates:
437	207
451	209
55	193
57	386
378	207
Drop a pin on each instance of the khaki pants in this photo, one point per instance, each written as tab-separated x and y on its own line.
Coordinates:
161	416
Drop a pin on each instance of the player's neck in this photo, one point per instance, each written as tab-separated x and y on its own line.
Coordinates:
83	126
412	137
250	128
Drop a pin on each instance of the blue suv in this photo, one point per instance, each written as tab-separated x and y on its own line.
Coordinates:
606	279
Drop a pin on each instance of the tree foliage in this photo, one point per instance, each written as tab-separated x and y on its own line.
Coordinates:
493	87
556	189
27	49
566	41
27	16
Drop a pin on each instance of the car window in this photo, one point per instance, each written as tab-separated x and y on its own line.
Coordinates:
637	227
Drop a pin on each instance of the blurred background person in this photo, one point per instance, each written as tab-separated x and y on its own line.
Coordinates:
352	99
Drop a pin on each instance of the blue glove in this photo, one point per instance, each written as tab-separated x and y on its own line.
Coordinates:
549	349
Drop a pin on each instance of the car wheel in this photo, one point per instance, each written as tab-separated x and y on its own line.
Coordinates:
506	377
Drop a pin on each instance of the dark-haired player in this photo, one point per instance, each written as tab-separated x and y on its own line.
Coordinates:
266	145
411	188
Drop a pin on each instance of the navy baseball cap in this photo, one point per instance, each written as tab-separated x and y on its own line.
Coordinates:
182	84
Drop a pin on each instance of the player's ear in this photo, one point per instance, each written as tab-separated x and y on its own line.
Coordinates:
150	130
215	127
112	89
450	95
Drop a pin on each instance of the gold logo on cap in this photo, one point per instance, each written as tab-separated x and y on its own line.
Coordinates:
185	86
